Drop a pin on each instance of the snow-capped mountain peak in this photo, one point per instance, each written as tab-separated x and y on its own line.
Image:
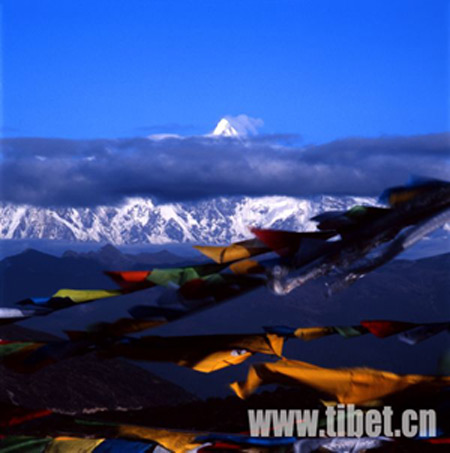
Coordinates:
225	129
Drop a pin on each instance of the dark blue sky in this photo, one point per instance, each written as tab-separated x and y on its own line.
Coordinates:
323	69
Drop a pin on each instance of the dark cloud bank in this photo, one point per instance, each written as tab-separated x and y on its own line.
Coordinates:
57	172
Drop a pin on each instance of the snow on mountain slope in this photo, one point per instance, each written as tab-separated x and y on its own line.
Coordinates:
225	129
140	220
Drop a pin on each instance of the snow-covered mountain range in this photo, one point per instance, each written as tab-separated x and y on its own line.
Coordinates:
141	220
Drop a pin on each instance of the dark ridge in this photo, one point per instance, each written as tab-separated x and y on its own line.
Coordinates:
85	383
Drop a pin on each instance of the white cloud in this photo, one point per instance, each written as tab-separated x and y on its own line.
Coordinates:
245	125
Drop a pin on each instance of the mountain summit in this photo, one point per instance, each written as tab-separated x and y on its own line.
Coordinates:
225	129
237	126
